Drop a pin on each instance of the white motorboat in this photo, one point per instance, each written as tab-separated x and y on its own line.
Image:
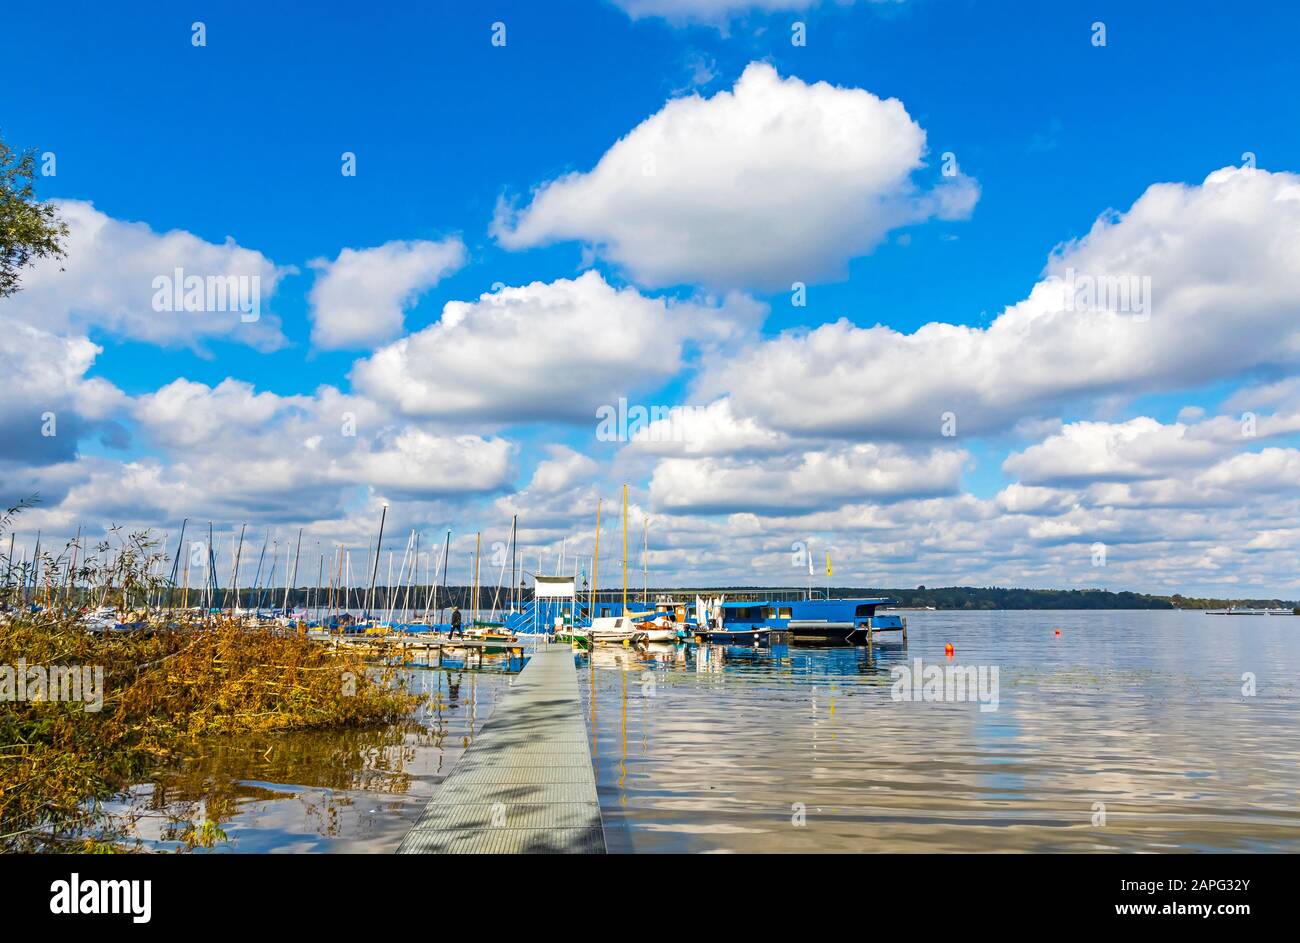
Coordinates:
614	630
659	630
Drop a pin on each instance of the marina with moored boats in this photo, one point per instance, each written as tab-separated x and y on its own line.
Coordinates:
421	620
462	641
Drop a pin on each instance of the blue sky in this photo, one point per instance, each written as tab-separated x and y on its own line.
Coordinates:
242	138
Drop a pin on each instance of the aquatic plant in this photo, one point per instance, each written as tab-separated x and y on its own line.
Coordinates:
147	695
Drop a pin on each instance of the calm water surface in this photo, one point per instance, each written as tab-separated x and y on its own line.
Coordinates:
796	749
321	791
1142	712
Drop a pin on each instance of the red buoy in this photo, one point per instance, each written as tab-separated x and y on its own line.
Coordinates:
948	650
1058	633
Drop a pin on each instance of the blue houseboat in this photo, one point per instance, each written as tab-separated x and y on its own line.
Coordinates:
743	617
811	621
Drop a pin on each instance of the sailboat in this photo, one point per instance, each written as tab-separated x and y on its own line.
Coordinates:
481	630
618	630
606	630
662	628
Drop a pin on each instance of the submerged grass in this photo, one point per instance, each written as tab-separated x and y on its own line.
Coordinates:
164	688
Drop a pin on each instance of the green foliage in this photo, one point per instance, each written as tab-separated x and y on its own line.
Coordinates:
183	678
206	834
29	229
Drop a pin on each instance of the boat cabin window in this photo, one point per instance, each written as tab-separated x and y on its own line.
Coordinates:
866	611
749	614
783	612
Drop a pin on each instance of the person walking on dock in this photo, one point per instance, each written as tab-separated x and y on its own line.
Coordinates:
455	623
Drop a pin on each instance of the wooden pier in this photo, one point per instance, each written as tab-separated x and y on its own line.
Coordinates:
409	647
525	785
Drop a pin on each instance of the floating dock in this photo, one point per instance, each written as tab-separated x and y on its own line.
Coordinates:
407	647
525	785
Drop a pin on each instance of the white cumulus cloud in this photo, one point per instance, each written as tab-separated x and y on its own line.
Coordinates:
359	298
109	281
1223	264
554	350
772	182
47	402
806	481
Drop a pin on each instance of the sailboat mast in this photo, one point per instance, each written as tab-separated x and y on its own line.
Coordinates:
336	577
595	564
496	593
320	575
625	549
411	577
374	569
514	552
234	573
388	588
429	567
293	579
257	577
180	544
478	546
207	575
446	558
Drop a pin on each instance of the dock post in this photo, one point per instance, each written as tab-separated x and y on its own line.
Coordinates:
869	634
904	630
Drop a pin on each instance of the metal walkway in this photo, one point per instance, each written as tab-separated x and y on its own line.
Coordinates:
525	785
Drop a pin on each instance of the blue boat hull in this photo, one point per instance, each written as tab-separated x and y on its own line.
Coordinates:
737	637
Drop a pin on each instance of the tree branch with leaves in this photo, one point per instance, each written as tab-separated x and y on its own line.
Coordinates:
29	229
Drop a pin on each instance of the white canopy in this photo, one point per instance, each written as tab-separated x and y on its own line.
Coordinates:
553	587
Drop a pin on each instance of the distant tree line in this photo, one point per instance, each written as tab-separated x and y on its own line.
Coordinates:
996	597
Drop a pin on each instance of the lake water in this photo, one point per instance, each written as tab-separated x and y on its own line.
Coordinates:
322	791
1137	716
1129	731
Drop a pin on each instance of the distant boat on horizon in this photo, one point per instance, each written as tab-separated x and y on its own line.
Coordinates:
1235	611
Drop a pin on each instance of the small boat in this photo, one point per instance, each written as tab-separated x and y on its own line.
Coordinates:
102	620
575	637
492	637
614	630
106	620
659	630
489	633
750	636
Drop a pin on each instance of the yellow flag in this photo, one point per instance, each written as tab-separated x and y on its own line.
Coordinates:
828	565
